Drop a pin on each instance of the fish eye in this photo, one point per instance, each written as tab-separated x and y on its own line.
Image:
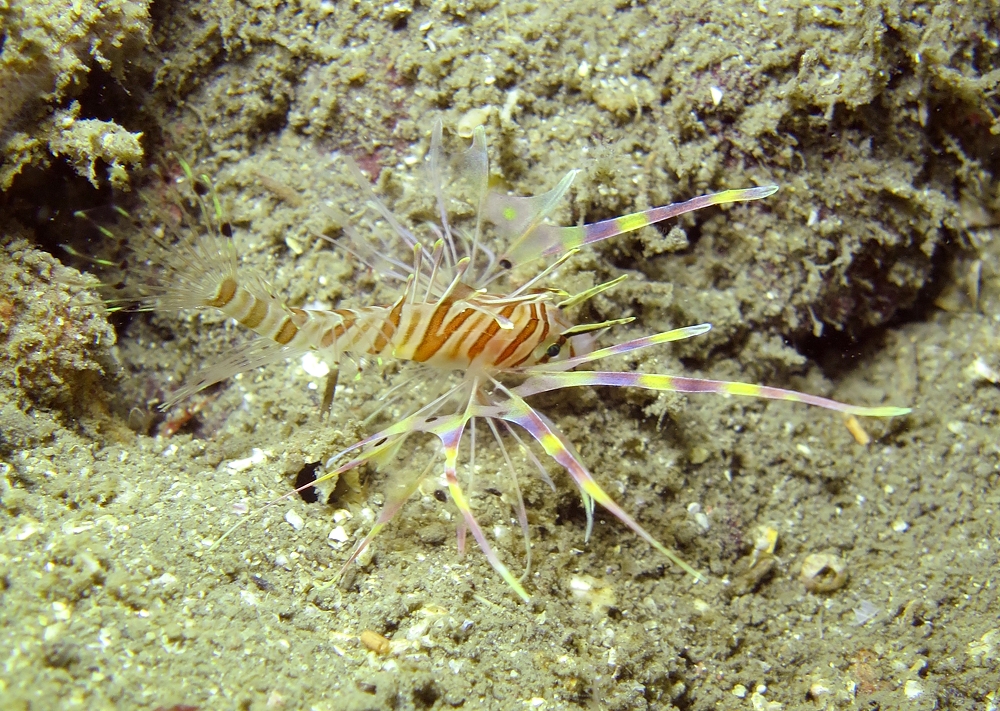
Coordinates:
553	350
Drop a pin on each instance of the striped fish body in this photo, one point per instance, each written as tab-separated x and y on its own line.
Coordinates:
450	334
458	334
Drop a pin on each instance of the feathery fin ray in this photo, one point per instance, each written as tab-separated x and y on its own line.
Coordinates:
445	308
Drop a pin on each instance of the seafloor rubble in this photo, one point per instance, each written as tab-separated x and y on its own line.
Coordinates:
871	275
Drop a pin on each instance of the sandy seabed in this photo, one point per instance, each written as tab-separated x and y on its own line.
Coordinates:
871	277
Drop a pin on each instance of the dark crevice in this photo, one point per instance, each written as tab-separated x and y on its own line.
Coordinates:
305	478
837	352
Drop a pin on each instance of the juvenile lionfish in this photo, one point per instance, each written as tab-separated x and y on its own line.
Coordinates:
486	352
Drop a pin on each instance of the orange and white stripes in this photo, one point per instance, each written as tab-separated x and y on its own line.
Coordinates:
463	329
477	334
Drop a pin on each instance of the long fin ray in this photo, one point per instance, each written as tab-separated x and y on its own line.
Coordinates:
545	240
518	412
522	514
451	435
396	495
677	334
678	384
253	354
473	168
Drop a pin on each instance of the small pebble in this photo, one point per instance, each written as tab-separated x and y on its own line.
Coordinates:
818	689
338	534
257	456
375	642
294	520
823	572
983	371
471	120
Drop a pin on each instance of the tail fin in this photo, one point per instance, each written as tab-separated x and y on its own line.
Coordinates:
192	275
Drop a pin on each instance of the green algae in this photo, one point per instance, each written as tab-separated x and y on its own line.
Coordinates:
55	342
49	49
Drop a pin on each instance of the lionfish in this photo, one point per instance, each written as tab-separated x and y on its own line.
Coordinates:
487	351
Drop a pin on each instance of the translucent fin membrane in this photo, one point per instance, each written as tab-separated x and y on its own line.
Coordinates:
450	275
520	220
